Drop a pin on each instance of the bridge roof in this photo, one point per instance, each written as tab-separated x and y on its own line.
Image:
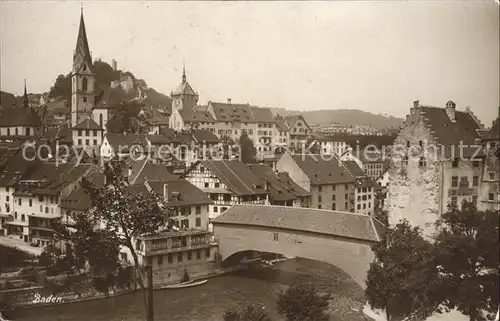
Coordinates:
334	223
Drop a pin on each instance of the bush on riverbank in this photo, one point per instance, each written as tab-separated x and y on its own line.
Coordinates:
302	301
250	313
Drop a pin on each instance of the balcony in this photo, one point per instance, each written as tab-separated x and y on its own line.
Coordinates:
172	242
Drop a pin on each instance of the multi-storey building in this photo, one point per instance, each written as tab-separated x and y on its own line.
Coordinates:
88	135
489	198
330	184
433	165
189	203
227	182
36	200
282	190
364	192
172	254
299	131
332	146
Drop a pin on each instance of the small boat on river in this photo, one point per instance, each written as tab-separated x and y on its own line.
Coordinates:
186	284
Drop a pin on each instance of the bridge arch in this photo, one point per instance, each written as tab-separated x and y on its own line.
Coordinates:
343	239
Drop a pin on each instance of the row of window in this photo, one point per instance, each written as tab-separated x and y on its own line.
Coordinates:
27	132
87	132
364	197
364	206
334	186
334	207
184	224
87	142
320	198
491	197
180	257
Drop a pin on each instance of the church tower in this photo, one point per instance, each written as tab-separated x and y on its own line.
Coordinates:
184	97
82	79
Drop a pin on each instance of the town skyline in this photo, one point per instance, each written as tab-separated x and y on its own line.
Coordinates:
459	53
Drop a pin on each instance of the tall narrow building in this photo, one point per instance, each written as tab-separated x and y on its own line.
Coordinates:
82	79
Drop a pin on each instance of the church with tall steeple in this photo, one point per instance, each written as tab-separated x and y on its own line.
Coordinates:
87	123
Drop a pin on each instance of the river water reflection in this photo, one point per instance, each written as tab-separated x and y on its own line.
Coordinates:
208	302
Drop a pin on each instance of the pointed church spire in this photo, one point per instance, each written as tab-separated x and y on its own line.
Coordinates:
82	50
184	72
26	101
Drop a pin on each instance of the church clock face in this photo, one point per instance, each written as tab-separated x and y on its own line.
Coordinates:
177	102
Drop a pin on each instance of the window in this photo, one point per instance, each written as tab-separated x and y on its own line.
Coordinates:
95	142
454	164
40	198
319	198
19	201
422	162
207	253
275	236
79	141
359	206
23	218
320	189
198	254
198	222
454	200
491	197
346	186
46	209
198	209
79	132
475	164
170	258
407	144
94	132
7	198
179	257
333	197
84	84
160	259
15	215
474	199
492	176
454	181
475	180
189	255
319	206
333	187
405	161
364	206
206	185
100	120
84	99
86	142
217	185
28	131
216	209
333	207
421	143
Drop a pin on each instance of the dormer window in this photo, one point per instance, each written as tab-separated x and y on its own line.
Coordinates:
84	67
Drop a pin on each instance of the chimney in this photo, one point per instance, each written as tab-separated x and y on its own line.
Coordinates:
114	65
229	100
165	192
450	110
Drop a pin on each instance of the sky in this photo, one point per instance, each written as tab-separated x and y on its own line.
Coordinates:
376	56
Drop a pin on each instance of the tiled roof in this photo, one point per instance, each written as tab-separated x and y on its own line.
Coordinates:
280	123
184	88
494	132
126	141
290	120
279	186
297	189
334	223
19	116
155	117
201	136
321	170
62	132
196	116
79	200
354	169
54	177
88	124
152	172
238	178
241	113
180	192
448	133
15	166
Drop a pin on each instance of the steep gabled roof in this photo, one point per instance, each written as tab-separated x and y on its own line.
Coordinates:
191	116
126	141
152	172
82	46
296	189
204	136
79	200
238	178
88	124
180	192
448	133
279	191
354	169
19	116
322	170
494	132
334	223
184	88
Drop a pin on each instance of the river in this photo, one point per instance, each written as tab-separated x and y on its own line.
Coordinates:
208	302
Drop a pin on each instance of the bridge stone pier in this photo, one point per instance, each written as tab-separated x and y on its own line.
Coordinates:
342	239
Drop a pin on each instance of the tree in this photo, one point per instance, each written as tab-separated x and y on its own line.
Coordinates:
61	88
467	255
301	301
248	150
89	244
226	147
126	215
12	257
250	313
126	120
403	278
